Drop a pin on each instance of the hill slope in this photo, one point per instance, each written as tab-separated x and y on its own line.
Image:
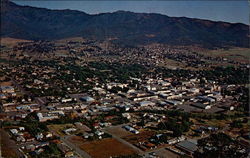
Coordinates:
124	27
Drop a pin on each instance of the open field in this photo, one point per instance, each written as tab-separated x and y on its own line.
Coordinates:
104	148
238	54
58	129
11	41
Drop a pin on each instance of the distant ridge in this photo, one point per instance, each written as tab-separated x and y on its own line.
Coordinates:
25	22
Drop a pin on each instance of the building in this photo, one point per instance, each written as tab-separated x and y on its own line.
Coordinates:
42	117
87	99
146	103
187	146
7	89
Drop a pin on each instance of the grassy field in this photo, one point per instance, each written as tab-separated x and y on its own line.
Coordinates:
58	129
238	54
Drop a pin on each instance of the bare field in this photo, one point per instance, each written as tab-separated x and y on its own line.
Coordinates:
103	148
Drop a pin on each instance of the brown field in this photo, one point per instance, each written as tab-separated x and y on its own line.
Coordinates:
106	148
78	140
102	148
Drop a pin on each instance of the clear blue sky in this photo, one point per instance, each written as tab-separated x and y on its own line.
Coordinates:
230	11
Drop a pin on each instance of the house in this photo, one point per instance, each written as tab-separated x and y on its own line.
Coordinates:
14	131
3	96
48	135
20	139
99	133
7	89
131	129
69	130
65	100
39	136
31	147
146	103
21	128
87	99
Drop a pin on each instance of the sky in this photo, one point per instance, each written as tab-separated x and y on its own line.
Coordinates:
230	10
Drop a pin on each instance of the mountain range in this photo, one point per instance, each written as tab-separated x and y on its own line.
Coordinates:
125	27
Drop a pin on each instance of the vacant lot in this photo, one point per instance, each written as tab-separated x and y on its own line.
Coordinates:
58	128
103	148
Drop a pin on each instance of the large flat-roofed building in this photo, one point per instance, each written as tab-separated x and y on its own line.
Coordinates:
187	146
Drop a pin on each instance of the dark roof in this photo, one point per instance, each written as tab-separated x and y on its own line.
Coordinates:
187	145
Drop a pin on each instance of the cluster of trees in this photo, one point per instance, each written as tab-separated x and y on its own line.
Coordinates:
227	75
49	151
178	122
33	125
118	72
178	127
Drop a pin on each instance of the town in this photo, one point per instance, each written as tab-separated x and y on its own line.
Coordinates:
89	99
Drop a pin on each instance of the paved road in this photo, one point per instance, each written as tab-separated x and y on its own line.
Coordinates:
124	142
80	152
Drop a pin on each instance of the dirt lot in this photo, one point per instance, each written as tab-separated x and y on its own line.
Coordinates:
58	129
104	148
163	153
